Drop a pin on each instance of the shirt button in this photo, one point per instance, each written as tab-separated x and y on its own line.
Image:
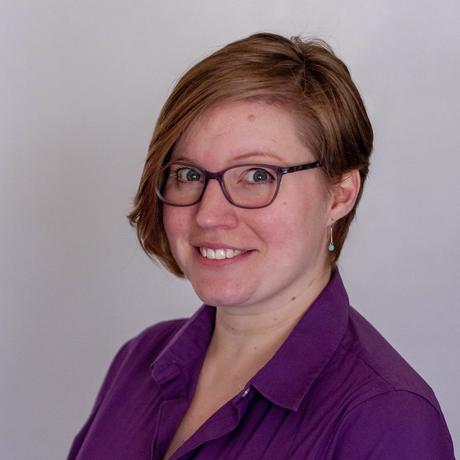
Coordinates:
245	393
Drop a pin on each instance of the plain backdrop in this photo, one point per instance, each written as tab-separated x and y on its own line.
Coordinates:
81	85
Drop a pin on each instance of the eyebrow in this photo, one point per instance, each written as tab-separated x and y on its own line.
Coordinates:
258	154
244	156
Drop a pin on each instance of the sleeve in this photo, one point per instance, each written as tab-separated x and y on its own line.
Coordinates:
398	425
112	372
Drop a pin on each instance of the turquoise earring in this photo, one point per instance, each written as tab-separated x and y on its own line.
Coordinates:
331	244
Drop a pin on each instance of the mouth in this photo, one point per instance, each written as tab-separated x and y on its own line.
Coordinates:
220	253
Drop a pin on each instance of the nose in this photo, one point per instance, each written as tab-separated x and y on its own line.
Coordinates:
214	210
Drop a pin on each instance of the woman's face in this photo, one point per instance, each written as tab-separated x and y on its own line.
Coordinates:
284	245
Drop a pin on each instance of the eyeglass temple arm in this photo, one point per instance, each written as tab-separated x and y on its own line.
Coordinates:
292	169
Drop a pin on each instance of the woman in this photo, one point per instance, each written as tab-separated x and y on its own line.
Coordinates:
254	172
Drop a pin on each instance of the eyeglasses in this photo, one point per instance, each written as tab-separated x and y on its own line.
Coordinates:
249	186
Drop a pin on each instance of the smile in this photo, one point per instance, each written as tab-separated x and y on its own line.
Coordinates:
220	253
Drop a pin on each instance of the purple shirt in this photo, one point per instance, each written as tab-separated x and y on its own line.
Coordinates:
334	390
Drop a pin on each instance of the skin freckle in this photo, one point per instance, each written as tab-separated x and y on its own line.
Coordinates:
293	298
251	118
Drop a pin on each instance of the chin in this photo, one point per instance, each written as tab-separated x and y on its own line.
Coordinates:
222	295
222	300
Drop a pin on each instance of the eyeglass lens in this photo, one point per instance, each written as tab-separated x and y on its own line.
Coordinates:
246	185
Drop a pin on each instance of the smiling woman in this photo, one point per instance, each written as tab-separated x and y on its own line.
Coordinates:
282	244
254	172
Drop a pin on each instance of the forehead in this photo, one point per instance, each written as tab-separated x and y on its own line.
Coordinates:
239	129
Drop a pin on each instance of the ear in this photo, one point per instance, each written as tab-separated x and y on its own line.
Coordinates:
344	195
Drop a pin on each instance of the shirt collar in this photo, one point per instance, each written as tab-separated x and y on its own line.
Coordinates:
287	377
177	367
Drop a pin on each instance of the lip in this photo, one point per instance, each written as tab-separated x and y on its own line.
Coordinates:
215	246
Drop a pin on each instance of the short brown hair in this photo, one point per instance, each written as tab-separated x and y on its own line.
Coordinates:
304	76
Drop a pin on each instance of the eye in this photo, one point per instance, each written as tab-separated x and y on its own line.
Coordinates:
259	175
184	174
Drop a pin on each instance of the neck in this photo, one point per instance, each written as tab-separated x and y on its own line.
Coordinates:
245	334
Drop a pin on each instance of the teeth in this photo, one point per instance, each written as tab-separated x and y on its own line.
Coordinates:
220	253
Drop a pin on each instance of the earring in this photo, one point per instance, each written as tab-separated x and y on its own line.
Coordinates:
331	244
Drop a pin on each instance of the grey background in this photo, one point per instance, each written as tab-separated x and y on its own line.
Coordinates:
81	85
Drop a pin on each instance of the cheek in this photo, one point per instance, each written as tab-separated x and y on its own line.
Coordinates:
294	227
168	222
281	232
176	224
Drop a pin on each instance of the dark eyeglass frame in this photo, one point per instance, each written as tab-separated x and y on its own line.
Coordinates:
280	171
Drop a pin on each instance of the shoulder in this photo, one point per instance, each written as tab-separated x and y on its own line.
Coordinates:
375	357
158	335
137	355
129	375
394	425
147	345
391	412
